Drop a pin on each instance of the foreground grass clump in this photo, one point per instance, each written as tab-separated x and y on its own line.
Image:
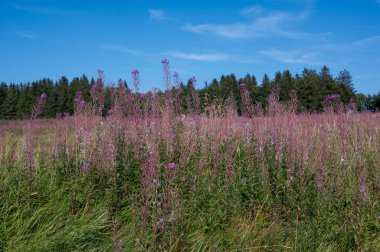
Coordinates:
191	183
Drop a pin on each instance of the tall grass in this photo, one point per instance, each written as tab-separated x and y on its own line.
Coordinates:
150	178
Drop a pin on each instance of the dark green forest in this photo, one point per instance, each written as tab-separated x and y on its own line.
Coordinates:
311	86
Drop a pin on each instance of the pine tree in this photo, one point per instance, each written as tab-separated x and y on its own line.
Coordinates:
3	96
25	102
265	90
287	84
10	103
309	91
346	86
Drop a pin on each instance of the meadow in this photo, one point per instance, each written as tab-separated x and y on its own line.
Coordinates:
152	177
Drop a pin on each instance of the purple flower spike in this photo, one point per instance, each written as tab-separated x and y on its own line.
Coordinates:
175	75
112	111
43	97
147	154
172	165
100	75
85	167
94	87
333	97
243	85
193	79
165	62
135	72
142	96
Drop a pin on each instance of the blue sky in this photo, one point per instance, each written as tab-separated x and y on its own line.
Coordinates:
46	38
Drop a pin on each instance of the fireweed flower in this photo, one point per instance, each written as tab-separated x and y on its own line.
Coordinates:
85	167
142	96
172	165
112	111
193	79
43	97
135	79
100	74
333	97
175	75
94	87
165	62
147	154
243	85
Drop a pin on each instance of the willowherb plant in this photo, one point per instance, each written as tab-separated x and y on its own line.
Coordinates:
362	185
167	82
247	109
167	74
80	108
97	94
28	146
274	106
292	105
333	104
178	105
136	80
37	108
194	95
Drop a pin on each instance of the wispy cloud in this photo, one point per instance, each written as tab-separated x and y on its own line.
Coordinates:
157	14
35	9
123	49
273	24
25	34
375	40
358	45
252	10
293	57
208	57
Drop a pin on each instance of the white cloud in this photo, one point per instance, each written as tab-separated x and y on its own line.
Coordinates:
40	10
208	57
214	56
292	57
375	40
253	10
25	34
270	25
120	48
358	45
211	57
157	14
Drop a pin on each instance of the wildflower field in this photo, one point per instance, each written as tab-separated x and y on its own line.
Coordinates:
149	176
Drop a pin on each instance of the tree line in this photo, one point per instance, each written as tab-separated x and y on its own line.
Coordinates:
311	87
